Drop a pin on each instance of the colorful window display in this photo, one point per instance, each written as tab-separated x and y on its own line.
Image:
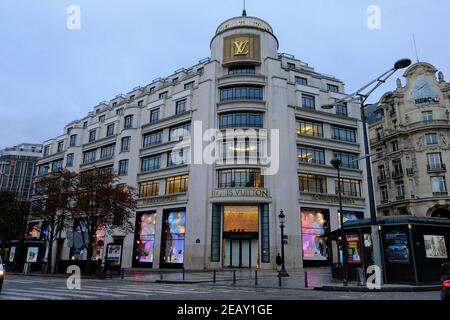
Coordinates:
314	230
175	229
146	240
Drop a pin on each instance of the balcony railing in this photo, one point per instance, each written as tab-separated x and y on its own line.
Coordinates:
382	179
311	161
399	198
410	171
437	168
440	194
397	174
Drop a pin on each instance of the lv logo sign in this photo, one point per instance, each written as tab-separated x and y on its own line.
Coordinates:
240	48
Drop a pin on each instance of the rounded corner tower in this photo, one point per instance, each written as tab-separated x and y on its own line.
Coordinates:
243	40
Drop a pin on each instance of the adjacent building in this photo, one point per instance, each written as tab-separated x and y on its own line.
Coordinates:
17	169
272	145
409	134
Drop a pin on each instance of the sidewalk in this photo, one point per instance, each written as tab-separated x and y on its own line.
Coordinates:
243	278
303	279
316	279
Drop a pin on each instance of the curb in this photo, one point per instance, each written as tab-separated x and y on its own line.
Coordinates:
385	289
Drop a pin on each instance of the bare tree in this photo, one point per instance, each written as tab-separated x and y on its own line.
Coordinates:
101	203
51	204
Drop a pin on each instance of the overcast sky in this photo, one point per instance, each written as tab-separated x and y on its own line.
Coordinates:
50	75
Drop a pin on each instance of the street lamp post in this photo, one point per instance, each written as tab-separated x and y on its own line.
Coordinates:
282	218
336	163
401	64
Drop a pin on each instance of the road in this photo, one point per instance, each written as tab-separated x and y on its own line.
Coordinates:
18	287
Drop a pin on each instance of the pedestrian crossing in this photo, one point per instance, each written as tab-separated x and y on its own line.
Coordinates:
106	291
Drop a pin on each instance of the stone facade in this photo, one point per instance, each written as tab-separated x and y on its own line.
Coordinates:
410	135
197	215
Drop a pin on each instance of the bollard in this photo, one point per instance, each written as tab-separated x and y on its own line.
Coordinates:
234	276
279	281
183	274
160	275
306	279
122	275
256	277
214	276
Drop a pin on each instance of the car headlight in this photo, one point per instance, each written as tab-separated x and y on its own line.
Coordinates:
2	272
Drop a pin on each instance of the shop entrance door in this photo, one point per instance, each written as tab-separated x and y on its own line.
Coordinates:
241	253
240	236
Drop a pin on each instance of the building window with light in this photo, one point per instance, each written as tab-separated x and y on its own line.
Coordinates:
243	148
240	178
350	187
177	184
312	183
313	155
309	128
149	189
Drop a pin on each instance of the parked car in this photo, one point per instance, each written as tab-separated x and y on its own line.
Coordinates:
445	293
2	273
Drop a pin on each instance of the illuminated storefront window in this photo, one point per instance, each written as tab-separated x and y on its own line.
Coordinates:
240	219
174	230
314	230
146	237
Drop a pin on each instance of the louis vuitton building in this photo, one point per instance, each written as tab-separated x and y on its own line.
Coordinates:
272	149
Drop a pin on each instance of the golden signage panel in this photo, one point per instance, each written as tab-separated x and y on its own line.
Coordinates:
243	47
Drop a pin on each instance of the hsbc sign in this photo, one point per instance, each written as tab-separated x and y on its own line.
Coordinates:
428	100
